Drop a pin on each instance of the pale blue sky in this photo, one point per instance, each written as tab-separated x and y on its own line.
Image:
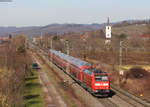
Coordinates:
43	12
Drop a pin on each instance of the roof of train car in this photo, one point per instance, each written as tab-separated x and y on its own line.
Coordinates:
71	59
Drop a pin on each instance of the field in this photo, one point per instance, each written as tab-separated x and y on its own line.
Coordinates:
33	91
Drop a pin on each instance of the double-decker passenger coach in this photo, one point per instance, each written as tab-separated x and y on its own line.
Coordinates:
92	79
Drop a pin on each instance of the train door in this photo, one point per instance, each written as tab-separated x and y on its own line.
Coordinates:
80	75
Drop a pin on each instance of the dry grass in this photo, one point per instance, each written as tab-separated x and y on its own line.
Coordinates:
132	30
137	81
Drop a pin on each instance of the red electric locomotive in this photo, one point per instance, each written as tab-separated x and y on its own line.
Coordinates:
94	80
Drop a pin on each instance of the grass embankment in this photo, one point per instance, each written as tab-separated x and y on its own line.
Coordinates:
33	91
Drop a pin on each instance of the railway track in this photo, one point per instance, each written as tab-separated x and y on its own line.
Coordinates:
129	98
121	98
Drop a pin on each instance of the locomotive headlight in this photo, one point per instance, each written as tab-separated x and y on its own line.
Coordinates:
105	84
101	84
97	84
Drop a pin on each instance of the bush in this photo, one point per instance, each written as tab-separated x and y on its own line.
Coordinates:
21	49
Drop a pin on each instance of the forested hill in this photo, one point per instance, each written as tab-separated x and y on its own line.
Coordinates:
52	28
64	28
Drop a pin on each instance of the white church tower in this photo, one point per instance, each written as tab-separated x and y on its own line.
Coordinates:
108	32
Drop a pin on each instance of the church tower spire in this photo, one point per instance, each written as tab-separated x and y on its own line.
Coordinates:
108	21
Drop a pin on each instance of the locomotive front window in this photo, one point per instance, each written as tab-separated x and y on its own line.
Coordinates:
101	78
87	71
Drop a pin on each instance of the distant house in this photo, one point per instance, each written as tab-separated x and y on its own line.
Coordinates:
4	39
36	39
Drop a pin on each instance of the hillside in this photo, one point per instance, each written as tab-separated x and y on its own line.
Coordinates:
130	27
132	30
7	30
50	29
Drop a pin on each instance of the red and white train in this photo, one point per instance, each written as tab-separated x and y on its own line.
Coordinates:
94	80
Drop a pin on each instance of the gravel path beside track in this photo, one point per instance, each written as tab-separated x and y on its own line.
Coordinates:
53	99
51	96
